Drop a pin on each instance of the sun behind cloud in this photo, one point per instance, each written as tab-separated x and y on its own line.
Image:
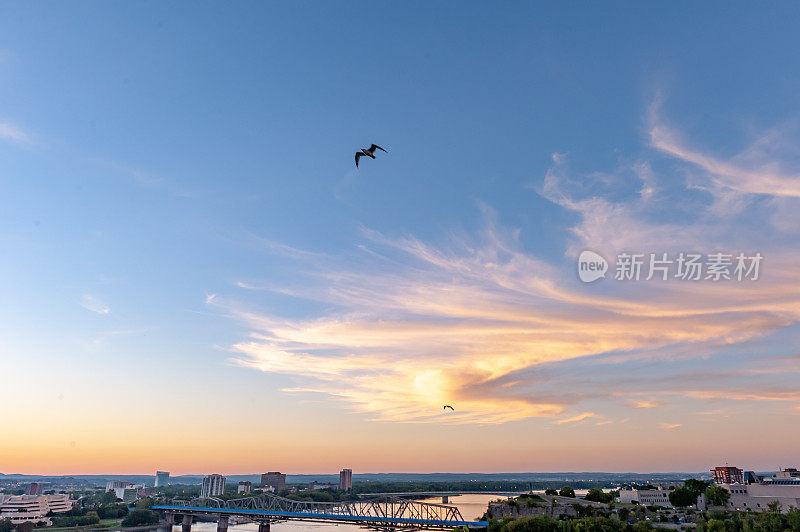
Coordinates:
477	321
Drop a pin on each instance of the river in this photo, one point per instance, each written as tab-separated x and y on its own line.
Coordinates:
471	507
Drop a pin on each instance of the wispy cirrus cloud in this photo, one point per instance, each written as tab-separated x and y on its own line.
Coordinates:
13	133
575	419
647	404
94	304
754	170
451	326
483	323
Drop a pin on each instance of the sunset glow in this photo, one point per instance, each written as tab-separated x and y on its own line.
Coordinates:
197	278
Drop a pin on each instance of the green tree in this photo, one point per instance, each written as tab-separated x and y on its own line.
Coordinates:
551	491
770	522
140	518
682	497
27	526
6	525
775	507
598	524
532	524
717	495
793	519
144	504
598	495
112	511
566	491
696	486
499	526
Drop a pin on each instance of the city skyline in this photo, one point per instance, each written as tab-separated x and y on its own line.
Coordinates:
188	243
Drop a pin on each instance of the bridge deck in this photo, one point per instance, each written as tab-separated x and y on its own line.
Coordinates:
323	517
440	493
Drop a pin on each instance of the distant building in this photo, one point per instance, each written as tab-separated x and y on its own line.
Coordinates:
757	493
146	492
34	488
117	484
33	508
274	479
213	486
162	479
321	486
346	479
656	497
789	472
785	477
129	494
727	475
750	477
124	491
244	487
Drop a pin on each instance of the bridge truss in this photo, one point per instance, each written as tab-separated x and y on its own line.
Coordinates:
385	512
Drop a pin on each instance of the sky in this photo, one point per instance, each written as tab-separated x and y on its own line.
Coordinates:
196	277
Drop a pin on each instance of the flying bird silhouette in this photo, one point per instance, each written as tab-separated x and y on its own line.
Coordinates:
448	406
369	152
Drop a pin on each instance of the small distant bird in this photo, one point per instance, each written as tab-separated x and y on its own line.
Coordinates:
369	152
448	406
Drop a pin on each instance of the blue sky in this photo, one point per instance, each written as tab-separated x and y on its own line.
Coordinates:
180	212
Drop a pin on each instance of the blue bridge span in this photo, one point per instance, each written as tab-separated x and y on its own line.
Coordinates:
384	513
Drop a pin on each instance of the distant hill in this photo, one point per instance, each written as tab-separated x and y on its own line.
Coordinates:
99	480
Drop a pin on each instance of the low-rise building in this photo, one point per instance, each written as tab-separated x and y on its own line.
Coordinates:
33	508
783	487
758	497
654	497
789	472
321	486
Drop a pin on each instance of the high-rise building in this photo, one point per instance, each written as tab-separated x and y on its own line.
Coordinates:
213	486
162	478
244	487
275	480
727	475
34	488
346	479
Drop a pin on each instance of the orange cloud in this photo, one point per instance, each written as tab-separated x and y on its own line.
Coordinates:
574	419
647	404
413	325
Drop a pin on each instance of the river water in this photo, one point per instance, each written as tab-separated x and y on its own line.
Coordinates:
471	507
